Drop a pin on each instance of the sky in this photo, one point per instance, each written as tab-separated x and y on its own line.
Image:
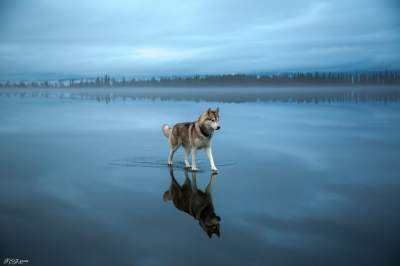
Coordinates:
45	39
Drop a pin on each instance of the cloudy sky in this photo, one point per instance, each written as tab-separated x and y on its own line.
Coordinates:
55	39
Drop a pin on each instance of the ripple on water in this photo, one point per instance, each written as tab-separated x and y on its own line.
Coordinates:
150	162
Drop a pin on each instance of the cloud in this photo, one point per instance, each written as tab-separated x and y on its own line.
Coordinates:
186	37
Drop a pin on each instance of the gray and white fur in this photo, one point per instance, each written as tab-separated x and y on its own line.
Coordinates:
193	136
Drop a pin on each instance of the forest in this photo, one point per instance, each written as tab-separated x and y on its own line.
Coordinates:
290	78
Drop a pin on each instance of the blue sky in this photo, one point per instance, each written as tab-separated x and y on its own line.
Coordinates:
54	39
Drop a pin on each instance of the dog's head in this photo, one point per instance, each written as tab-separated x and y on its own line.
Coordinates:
211	119
209	222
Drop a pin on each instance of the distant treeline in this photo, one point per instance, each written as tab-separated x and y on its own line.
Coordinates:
298	78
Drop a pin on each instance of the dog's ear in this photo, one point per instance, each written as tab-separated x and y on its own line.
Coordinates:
217	110
209	111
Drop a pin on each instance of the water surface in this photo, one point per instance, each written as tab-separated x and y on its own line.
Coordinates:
299	184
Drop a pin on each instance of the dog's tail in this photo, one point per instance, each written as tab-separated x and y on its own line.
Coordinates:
167	196
166	130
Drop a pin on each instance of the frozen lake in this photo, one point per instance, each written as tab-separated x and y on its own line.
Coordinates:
299	184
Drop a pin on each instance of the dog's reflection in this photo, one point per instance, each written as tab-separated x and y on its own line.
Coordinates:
197	203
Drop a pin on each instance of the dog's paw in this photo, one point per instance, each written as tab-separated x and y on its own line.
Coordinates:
195	169
169	163
214	170
187	166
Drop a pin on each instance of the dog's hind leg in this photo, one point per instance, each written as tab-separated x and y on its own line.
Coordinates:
174	144
171	154
168	194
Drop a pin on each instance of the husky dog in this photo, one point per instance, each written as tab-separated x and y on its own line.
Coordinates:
193	136
188	198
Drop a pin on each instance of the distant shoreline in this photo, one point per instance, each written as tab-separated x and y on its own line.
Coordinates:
308	94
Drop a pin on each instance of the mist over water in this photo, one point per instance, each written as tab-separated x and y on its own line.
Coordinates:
307	184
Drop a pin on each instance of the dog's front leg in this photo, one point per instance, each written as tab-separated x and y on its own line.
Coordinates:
210	183
194	166
187	164
194	183
211	159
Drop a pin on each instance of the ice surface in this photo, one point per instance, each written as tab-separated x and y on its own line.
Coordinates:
299	184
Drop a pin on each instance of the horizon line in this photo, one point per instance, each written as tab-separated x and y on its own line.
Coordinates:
149	77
